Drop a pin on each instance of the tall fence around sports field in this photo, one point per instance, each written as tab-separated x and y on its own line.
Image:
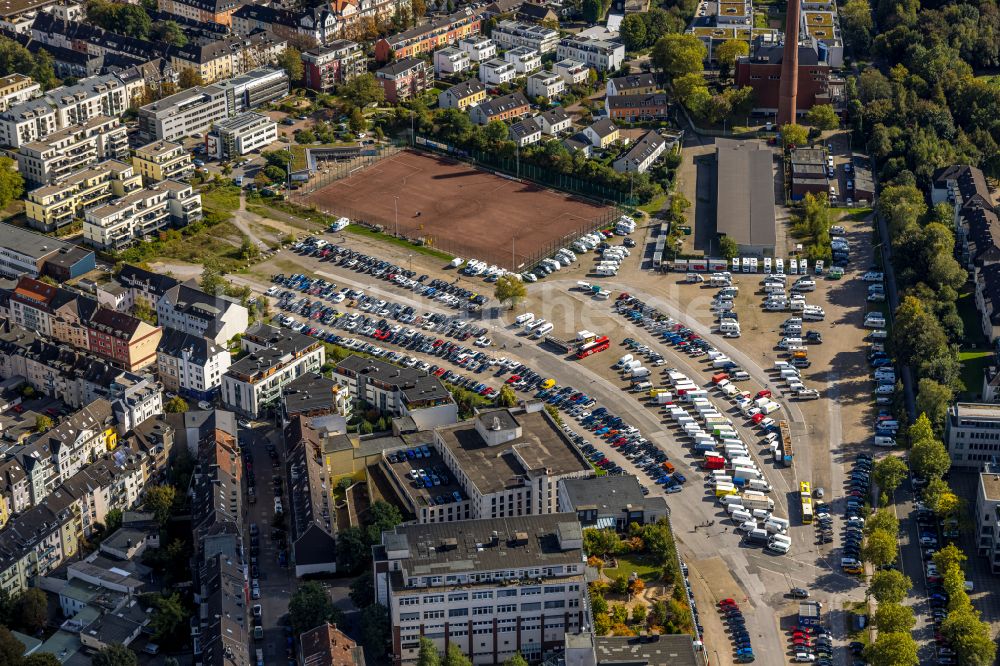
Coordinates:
329	165
513	257
531	172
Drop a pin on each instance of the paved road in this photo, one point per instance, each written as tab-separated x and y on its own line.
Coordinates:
276	583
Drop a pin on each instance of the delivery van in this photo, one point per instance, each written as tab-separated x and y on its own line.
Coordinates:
730	500
741	516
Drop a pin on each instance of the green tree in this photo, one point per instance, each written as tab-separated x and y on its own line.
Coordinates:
275	174
948	558
176	405
212	281
891	618
310	606
823	117
940	499
691	90
357	121
934	399
363	590
362	90
353	550
929	458
169	32
160	500
11	182
382	517
11	649
893	649
727	53
455	657
249	250
639	614
43	423
428	655
290	60
516	660
189	78
856	21
418	8
679	54
728	248
506	397
794	135
305	136
112	520
114	655
593	11
376	629
44	659
889	586
880	548
510	290
889	473
969	637
633	32
169	615
883	519
619	584
600	542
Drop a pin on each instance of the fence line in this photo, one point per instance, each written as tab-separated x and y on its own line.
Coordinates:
334	170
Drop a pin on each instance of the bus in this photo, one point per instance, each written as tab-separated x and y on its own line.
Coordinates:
596	345
807	510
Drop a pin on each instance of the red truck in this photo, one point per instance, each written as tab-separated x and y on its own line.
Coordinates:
715	462
719	377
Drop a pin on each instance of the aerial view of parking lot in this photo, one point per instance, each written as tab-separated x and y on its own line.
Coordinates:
507	333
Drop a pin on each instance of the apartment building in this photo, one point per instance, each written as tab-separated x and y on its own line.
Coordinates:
241	135
545	84
632	84
33	544
403	79
183	114
398	391
24	252
642	155
328	646
327	67
450	60
496	72
17	88
462	95
52	207
632	108
229	57
205	11
478	47
74	376
162	160
185	307
572	72
141	215
600	54
429	36
144	286
506	108
71	149
26	122
134	399
988	516
972	433
80	439
510	34
525	60
555	121
191	365
254	89
276	357
122	339
491	587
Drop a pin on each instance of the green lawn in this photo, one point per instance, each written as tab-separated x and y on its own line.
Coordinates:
419	249
974	363
971	321
221	198
641	563
856	608
654	206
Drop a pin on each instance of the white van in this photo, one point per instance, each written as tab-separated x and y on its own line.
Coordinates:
745	261
767	265
781	548
780	523
741	516
885	441
779	265
542	331
753	264
788	343
730	500
524	319
534	324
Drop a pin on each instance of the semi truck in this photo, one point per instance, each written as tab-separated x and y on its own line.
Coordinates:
754	499
786	444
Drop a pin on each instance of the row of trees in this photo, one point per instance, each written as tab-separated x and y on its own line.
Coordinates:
16	59
641	31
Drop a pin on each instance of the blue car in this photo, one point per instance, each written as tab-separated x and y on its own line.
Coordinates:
679	478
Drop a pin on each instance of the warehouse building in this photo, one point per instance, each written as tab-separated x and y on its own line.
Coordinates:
745	195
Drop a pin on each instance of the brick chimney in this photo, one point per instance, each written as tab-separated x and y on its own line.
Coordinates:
789	86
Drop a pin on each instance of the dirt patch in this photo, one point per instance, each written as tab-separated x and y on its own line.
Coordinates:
460	209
